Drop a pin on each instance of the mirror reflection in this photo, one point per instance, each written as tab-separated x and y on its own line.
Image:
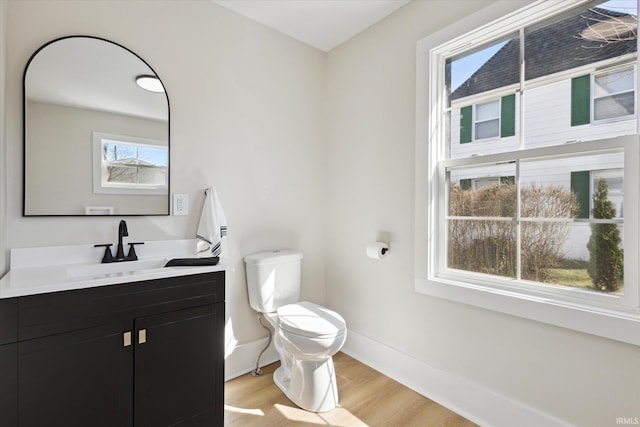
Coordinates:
96	136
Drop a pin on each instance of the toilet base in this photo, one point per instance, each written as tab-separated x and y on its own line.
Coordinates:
311	386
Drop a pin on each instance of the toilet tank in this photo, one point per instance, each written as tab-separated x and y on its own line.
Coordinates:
273	279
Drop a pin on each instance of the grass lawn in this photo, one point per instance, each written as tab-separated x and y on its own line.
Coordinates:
577	277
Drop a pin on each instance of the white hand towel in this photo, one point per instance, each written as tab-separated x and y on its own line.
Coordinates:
212	226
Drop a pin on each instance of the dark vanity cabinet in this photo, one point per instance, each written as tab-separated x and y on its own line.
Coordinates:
147	353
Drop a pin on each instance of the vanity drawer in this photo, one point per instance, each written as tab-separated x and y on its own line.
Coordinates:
49	314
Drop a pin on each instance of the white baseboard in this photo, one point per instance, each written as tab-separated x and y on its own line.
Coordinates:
469	399
243	358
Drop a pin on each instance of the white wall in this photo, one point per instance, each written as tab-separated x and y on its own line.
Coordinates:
3	157
245	117
551	375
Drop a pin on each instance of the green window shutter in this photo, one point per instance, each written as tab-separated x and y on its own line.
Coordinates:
465	184
508	116
466	124
580	100
508	180
580	186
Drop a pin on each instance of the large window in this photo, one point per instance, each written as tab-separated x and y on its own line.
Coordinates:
532	137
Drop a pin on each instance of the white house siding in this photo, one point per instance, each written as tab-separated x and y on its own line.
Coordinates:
544	172
547	121
548	118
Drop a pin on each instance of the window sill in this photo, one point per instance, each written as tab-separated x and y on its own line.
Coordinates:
612	324
597	122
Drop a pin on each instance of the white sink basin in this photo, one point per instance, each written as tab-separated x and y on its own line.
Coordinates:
115	268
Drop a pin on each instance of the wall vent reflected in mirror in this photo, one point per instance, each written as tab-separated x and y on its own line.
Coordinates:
95	143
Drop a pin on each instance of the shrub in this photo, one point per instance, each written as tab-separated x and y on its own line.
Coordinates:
606	259
489	246
542	241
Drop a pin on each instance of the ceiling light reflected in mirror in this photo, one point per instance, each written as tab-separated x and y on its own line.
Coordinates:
150	83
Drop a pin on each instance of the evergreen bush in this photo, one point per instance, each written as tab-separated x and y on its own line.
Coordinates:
606	258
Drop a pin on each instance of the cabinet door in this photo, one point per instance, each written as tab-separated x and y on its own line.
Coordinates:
8	362
8	385
178	361
80	378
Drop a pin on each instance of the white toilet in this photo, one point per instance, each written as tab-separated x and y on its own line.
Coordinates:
306	335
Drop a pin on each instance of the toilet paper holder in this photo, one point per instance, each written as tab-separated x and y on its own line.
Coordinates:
377	250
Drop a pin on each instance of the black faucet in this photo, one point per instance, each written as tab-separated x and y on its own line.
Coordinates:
131	256
122	232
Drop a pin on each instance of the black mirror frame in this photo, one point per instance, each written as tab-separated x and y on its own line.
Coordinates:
24	134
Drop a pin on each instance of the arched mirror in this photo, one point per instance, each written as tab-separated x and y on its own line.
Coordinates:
96	138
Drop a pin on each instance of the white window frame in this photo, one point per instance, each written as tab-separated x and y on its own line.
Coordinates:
594	98
130	189
605	317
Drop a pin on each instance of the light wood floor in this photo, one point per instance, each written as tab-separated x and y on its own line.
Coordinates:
367	398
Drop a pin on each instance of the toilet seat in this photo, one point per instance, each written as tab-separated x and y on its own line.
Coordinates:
311	320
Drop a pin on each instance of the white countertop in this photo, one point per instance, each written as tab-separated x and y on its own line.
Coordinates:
62	268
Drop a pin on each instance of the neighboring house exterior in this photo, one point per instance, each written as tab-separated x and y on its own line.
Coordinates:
578	89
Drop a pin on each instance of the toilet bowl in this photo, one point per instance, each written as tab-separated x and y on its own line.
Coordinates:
306	335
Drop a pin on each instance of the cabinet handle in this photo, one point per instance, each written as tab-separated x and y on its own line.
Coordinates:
142	336
126	338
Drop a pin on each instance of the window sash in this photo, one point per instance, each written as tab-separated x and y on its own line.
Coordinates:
519	218
617	103
488	111
487	129
616	106
608	89
631	147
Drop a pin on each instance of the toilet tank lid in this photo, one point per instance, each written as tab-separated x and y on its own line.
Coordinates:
273	257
